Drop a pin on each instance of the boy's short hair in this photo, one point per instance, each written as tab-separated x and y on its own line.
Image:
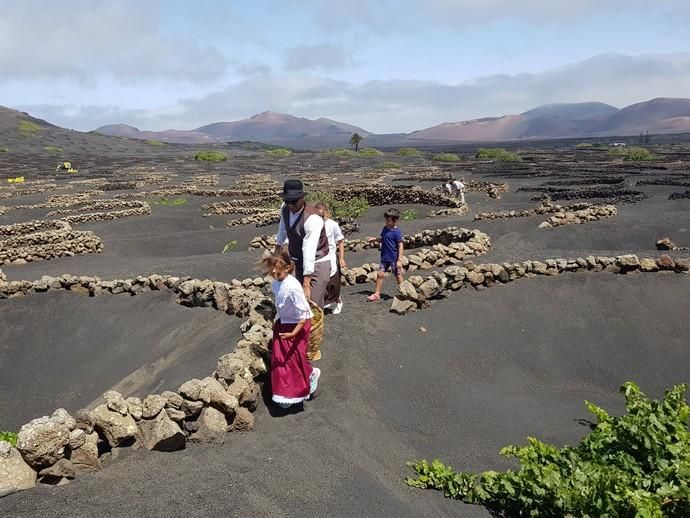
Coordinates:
392	213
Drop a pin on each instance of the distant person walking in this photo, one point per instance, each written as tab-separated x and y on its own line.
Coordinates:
293	379
336	254
448	187
459	188
302	228
391	242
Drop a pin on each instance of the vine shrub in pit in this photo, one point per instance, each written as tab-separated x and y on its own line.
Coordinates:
9	437
634	465
353	208
210	156
497	154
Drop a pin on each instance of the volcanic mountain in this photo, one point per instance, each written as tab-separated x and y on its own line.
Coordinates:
267	127
271	125
20	133
176	136
591	119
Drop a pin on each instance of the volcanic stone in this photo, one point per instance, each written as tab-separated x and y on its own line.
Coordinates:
161	433
15	473
211	427
117	428
42	442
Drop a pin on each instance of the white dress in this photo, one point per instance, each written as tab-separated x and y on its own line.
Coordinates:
334	235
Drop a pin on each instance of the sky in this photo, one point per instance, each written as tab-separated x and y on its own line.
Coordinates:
387	66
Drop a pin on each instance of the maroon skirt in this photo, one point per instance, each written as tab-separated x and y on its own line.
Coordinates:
290	369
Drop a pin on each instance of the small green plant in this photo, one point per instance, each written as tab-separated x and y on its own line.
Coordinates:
229	246
340	152
584	145
445	157
632	153
168	202
409	215
9	437
155	143
497	154
210	156
53	149
4	150
352	208
637	465
278	152
370	151
28	128
389	165
409	151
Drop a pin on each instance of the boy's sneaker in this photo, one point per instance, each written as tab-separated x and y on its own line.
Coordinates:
338	307
314	380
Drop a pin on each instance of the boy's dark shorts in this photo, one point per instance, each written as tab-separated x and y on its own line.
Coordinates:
389	266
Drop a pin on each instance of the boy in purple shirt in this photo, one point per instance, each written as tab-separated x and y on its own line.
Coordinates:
391	251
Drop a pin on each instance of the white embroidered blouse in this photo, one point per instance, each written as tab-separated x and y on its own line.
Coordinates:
290	301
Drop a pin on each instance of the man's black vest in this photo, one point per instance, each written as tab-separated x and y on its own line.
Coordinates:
295	234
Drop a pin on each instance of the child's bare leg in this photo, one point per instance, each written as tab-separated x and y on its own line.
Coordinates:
379	283
399	278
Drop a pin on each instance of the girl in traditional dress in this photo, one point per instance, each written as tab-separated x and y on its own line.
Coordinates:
336	254
293	379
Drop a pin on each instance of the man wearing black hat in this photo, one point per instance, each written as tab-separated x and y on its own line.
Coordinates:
302	227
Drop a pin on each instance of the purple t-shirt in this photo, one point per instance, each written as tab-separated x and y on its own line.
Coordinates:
390	237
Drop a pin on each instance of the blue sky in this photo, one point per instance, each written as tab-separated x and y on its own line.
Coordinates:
387	66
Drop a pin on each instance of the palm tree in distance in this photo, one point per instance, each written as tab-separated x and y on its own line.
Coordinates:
355	139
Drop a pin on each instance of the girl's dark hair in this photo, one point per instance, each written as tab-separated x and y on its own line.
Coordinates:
280	261
392	213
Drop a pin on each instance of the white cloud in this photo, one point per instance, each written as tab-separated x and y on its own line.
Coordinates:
396	105
385	16
85	40
312	57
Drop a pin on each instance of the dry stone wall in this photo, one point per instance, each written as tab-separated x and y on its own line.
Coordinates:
62	201
208	180
417	292
139	208
576	217
263	219
679	195
447	246
10	192
250	206
380	195
456	211
570	214
99	205
41	240
54	449
546	207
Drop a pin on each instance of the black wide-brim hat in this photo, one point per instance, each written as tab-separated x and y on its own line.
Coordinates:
293	190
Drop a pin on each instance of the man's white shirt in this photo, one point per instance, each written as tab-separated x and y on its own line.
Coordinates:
312	231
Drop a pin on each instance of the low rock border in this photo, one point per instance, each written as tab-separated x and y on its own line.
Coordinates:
417	292
577	217
43	240
54	449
